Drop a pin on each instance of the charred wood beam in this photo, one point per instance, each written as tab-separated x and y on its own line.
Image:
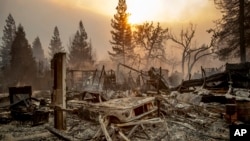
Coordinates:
120	64
102	73
199	82
59	88
204	77
212	98
60	134
161	82
94	75
123	136
72	71
104	129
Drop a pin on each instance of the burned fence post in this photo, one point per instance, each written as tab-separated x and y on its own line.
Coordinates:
102	73
230	82
158	82
158	93
59	90
204	77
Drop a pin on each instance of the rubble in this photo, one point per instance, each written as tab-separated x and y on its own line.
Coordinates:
149	109
198	121
22	107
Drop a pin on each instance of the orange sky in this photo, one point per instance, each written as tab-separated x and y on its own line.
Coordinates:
39	17
150	10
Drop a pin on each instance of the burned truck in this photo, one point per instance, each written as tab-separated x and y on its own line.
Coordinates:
118	110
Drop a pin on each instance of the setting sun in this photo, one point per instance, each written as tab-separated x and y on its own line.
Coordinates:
96	16
145	10
163	10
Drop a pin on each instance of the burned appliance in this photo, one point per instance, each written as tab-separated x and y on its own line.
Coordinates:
25	108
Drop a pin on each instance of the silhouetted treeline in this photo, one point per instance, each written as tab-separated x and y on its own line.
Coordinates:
22	64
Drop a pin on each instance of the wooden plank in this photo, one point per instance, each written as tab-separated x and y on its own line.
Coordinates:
104	130
99	133
123	136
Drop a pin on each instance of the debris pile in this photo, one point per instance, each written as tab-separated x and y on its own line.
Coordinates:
24	108
100	108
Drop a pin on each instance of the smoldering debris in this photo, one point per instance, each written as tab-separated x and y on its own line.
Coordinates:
148	108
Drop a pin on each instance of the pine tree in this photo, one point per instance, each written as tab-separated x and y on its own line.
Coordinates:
23	65
37	50
9	32
226	31
38	54
55	43
121	35
80	50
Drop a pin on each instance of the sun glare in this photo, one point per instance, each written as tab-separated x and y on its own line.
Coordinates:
162	10
140	11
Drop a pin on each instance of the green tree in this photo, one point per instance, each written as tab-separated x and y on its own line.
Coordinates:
9	32
23	64
228	30
80	55
151	38
121	41
55	43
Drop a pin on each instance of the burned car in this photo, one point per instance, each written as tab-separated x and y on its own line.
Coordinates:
118	110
